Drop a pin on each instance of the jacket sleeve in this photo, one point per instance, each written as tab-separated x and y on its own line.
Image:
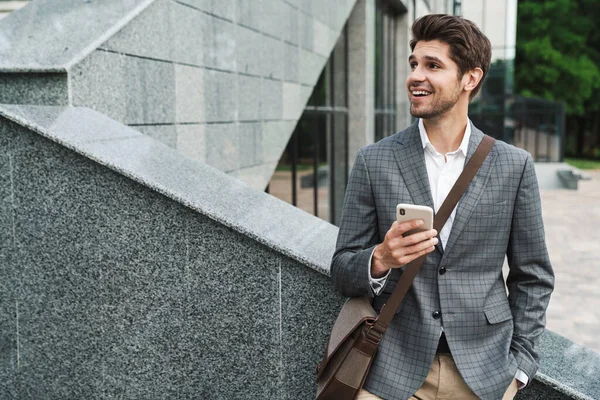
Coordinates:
358	234
530	279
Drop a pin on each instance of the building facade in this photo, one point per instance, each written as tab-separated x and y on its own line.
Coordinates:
280	94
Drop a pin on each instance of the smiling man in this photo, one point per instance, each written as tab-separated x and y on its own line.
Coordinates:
457	335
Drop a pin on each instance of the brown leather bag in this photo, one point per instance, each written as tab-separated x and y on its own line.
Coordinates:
358	329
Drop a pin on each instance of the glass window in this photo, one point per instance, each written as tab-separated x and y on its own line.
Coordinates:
385	69
313	170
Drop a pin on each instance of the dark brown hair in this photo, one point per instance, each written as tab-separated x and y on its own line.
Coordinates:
469	47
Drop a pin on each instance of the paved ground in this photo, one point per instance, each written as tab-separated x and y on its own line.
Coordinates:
572	221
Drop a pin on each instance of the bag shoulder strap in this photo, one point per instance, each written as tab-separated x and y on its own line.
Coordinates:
393	304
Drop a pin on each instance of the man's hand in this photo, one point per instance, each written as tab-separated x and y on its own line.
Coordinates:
396	250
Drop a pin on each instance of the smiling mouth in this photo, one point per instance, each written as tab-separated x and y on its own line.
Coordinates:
420	93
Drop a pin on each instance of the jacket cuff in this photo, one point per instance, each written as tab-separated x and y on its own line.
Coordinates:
525	362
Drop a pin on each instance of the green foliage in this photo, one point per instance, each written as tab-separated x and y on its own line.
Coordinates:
558	52
582	163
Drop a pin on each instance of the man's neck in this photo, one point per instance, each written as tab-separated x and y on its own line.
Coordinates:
446	134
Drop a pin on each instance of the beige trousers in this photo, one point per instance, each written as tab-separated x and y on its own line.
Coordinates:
444	382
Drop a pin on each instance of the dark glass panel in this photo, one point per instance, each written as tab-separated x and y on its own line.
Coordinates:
305	163
339	164
320	95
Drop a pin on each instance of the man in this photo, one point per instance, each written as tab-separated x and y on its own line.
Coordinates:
457	334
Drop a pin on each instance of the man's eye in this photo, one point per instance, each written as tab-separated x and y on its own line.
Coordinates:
413	65
434	66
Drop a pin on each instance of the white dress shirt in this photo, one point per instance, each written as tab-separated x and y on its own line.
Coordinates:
443	171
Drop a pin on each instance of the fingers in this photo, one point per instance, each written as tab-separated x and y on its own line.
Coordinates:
398	250
399	229
404	255
409	258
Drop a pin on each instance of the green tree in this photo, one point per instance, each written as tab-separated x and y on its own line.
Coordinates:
558	58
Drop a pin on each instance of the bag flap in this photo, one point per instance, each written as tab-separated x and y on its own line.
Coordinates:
353	314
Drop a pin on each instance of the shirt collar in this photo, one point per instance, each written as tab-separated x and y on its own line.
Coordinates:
464	145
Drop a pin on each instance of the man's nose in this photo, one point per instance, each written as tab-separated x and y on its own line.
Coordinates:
417	74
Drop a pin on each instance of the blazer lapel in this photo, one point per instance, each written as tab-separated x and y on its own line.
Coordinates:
470	198
411	161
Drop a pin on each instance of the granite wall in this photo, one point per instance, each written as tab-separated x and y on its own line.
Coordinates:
131	272
223	82
111	289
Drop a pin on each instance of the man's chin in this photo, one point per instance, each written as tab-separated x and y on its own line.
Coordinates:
425	114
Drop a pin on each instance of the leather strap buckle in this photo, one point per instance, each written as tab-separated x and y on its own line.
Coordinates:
372	334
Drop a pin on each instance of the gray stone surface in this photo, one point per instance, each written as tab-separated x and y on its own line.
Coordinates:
249	134
272	98
305	30
223	142
290	34
46	36
291	56
162	93
250	102
8	306
222	8
274	13
151	33
256	176
272	58
298	332
312	65
295	98
172	62
191	141
191	94
132	90
572	369
220	94
541	391
34	88
195	185
250	51
324	38
248	14
275	138
121	290
217	93
167	134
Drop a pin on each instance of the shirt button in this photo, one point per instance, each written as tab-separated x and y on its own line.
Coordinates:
436	315
442	270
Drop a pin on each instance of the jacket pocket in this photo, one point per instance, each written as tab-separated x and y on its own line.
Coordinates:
498	313
491	209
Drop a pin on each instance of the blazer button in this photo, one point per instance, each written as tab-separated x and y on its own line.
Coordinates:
442	270
436	315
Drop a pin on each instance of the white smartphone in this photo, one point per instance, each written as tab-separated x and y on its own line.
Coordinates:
408	212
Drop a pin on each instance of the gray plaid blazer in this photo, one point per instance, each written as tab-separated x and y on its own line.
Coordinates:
490	333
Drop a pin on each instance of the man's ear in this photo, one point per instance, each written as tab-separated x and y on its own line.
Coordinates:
472	78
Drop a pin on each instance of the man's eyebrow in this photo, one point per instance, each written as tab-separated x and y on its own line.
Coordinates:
435	59
428	58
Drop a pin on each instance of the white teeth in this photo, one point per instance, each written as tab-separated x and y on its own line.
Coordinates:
420	93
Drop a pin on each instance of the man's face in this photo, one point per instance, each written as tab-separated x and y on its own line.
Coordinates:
433	85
